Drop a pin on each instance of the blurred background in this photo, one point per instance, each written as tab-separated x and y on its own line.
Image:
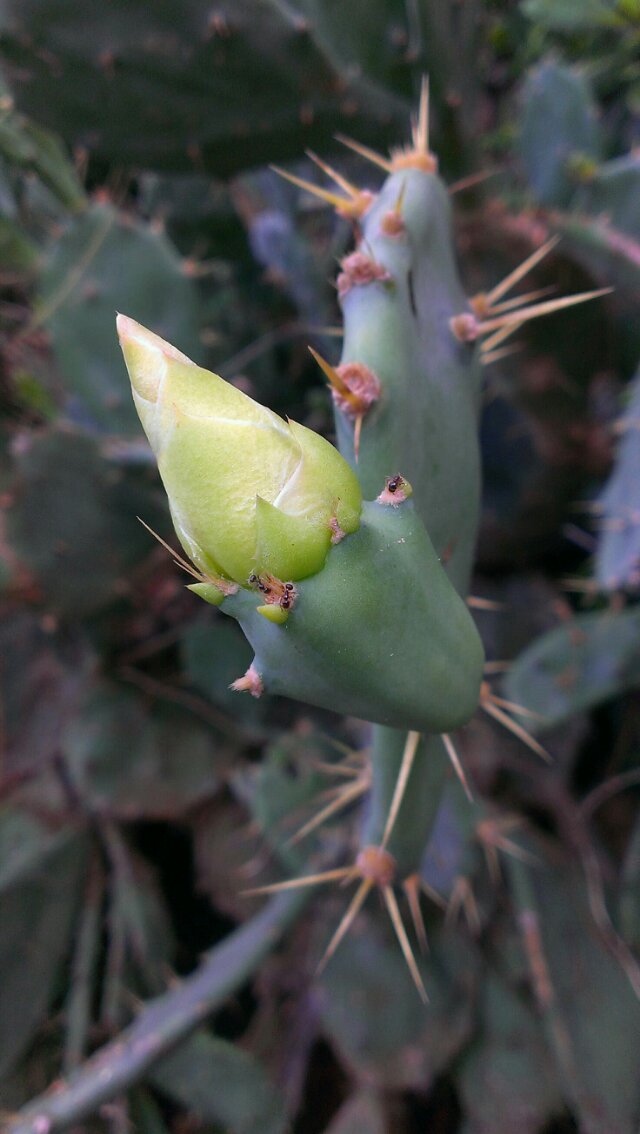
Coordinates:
139	796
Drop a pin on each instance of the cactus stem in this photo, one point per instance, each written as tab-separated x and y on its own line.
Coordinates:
352	207
523	269
487	702
346	922
223	585
457	765
412	887
401	933
345	796
298	883
408	756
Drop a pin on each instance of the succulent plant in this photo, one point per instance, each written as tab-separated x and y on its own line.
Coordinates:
335	578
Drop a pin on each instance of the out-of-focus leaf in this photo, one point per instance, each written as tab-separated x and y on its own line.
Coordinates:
72	520
214	653
136	762
570	15
39	893
367	982
229	855
42	679
591	1012
29	147
617	559
362	1112
612	258
577	666
103	263
281	793
17	252
146	1113
507	1077
629	897
221	1083
558	123
613	193
216	89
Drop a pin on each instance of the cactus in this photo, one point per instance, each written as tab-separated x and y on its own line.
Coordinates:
146	99
105	262
334	577
41	876
617	559
611	190
27	147
78	548
558	130
361	607
594	656
576	666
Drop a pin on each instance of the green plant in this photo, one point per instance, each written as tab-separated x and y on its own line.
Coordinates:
146	807
359	611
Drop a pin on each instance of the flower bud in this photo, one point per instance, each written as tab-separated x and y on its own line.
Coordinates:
248	491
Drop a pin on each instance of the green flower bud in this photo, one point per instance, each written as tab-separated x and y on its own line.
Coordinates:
248	491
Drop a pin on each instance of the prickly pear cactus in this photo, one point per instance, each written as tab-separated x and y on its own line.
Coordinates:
326	624
359	608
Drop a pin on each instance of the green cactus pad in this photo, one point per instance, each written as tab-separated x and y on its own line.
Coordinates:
577	666
102	263
161	87
558	126
617	560
379	633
